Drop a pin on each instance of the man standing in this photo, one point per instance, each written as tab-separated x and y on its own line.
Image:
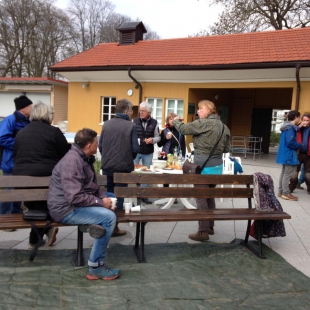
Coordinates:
148	133
118	145
75	198
303	137
9	127
287	154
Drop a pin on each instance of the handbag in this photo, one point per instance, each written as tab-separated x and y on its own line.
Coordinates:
36	215
191	168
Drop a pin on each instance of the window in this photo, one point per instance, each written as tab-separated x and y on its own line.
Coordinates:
107	108
157	109
176	106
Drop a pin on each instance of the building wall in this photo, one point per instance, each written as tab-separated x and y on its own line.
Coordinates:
59	99
84	105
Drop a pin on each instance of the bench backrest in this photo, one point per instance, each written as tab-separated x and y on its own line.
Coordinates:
25	188
242	185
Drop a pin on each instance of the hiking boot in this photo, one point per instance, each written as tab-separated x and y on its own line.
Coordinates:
95	231
31	245
51	236
210	231
102	272
199	236
289	197
118	232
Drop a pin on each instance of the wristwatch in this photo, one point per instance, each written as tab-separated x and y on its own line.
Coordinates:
96	200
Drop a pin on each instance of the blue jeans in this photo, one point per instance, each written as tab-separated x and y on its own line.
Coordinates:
10	207
302	175
146	161
94	215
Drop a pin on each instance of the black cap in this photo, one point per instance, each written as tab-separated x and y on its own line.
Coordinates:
22	102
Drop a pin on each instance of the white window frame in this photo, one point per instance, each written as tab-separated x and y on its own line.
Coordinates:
155	113
110	114
176	109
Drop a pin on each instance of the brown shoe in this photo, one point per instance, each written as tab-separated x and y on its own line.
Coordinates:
199	236
51	236
299	187
176	200
210	231
289	197
118	232
279	195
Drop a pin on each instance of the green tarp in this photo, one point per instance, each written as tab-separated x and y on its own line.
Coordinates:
176	276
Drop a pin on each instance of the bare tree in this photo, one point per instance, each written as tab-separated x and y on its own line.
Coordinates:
257	15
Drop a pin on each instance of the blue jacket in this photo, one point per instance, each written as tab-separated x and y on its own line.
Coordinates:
8	130
287	153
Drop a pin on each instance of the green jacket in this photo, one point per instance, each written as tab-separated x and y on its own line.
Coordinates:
206	133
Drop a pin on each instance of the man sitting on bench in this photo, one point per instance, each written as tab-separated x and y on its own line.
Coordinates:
75	198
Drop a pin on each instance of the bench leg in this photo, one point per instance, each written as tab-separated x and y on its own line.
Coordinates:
140	254
253	248
79	259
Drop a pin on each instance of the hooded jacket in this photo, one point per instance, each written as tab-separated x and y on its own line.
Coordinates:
287	153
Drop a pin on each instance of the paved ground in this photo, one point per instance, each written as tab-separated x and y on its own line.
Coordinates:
294	248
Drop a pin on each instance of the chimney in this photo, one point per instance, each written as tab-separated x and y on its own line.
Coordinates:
131	33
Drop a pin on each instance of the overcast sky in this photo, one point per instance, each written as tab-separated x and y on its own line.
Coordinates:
169	18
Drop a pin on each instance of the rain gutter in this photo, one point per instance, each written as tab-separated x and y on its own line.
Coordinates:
298	66
138	85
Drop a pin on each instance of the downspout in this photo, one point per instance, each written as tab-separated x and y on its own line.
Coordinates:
298	66
138	85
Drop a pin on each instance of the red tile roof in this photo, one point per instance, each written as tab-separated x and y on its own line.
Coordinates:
30	80
248	48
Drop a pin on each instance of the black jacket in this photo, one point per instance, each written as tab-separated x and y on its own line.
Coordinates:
38	148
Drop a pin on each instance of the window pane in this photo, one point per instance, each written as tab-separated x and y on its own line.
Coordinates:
106	109
180	104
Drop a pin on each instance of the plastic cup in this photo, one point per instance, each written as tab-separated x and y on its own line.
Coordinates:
152	167
136	209
113	202
127	206
139	141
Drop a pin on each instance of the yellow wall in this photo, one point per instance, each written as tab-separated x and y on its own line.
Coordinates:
84	108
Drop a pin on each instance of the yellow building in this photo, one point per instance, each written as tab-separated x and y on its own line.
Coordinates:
245	75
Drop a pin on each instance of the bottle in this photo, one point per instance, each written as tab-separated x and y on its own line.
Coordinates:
175	156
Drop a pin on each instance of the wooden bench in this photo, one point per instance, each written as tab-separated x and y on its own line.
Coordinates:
25	188
158	215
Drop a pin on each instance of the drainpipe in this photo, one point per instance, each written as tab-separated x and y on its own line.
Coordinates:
298	66
138	85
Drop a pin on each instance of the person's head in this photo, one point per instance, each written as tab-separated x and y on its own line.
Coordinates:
206	108
124	106
306	118
42	112
145	110
293	117
86	139
169	118
23	105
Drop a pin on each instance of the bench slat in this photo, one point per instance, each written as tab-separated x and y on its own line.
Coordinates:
23	195
152	178
182	192
158	215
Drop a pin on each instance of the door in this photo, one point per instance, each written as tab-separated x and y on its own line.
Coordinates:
261	126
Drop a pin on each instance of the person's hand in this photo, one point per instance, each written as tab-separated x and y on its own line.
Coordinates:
178	118
149	141
107	203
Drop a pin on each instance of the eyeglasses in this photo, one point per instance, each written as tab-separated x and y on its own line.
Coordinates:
142	111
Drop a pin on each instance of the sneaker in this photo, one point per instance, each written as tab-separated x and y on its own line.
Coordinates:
199	236
118	232
289	197
31	245
95	231
146	201
51	236
102	272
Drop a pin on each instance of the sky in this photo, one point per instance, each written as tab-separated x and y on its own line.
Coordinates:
168	18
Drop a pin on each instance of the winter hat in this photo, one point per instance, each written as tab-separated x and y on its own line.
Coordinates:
22	102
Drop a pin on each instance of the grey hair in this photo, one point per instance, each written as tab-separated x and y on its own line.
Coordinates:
123	105
146	105
42	112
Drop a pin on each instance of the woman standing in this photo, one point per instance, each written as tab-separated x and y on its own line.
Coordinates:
206	131
171	138
38	148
